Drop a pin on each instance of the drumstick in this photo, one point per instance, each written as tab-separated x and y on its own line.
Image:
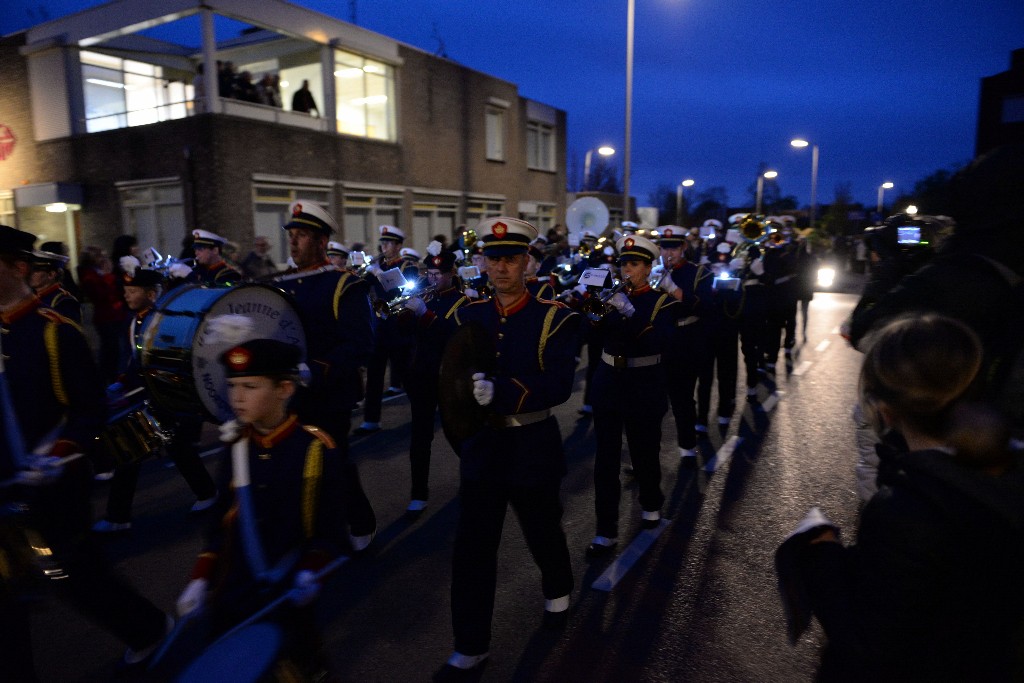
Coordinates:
330	568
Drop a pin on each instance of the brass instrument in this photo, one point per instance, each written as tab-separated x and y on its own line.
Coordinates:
597	307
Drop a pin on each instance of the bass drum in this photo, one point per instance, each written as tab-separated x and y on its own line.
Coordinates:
193	325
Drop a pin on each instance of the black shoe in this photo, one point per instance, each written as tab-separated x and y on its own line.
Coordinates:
453	674
555	621
363	431
598	551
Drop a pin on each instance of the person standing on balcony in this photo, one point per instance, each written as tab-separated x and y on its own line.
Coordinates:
303	100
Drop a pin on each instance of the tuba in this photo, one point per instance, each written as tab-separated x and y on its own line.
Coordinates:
586	213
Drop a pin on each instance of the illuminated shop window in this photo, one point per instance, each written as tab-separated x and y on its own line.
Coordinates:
123	92
365	96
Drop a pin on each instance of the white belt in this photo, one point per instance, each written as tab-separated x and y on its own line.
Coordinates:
623	362
682	322
518	420
784	279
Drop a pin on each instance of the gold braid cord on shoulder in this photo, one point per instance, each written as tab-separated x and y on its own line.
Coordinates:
311	474
546	332
53	351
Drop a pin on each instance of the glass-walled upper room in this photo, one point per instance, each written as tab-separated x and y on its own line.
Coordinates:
157	74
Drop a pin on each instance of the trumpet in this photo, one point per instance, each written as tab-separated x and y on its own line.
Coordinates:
597	307
387	308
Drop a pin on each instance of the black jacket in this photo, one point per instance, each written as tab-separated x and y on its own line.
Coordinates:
934	588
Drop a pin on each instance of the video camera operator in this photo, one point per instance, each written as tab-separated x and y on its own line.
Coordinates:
976	276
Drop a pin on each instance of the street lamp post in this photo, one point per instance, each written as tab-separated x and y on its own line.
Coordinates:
814	177
881	191
603	150
679	199
760	187
630	14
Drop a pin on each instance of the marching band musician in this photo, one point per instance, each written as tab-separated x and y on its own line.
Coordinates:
142	287
211	268
539	287
56	410
592	339
629	392
748	265
517	457
435	322
47	278
393	343
780	265
285	521
479	287
688	352
337	254
335	310
721	317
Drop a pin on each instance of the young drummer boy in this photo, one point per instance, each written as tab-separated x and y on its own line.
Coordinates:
284	520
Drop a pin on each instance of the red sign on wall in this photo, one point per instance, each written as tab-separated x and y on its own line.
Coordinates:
7	141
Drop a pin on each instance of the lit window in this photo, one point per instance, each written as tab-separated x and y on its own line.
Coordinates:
123	92
540	146
495	132
365	96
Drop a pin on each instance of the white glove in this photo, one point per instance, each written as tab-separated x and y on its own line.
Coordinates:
667	285
374	270
736	265
620	302
416	305
483	389
192	598
305	588
757	267
42	469
179	270
471	293
580	289
230	431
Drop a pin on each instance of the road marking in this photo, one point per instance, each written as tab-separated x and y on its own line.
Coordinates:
770	402
624	562
823	345
802	368
724	453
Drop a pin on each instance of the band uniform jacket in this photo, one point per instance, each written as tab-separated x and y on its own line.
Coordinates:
54	383
647	333
338	322
540	287
535	344
219	274
62	301
294	476
433	329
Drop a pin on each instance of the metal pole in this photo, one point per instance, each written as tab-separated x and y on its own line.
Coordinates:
814	185
679	204
586	170
630	12
760	191
881	191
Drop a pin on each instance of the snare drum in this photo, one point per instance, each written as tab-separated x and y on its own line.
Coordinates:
132	435
193	325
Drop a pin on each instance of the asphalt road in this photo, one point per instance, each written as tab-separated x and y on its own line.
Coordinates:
699	604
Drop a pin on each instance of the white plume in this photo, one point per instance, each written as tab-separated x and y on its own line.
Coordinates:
434	248
129	264
230	329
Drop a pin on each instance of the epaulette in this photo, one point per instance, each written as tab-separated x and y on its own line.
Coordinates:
321	435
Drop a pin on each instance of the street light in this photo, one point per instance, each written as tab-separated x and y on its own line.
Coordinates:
798	143
760	187
881	191
630	14
603	150
679	199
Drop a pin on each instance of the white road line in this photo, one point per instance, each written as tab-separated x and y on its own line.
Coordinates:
624	562
724	453
823	345
802	368
770	402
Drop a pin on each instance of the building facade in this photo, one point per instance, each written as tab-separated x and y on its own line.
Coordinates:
1001	107
110	125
